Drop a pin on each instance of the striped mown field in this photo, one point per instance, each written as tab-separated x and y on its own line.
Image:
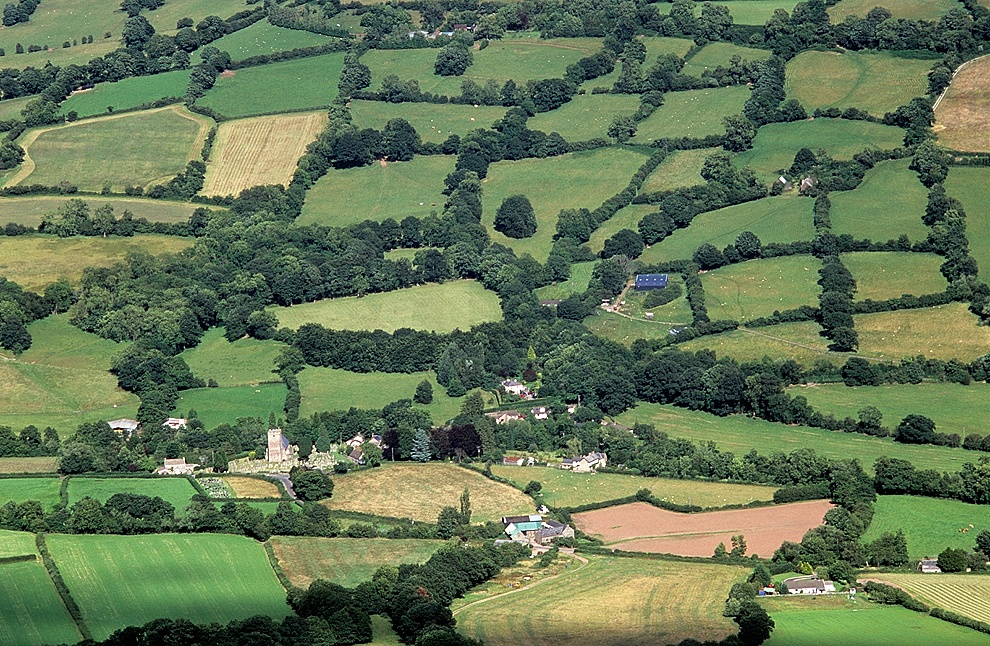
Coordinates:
966	594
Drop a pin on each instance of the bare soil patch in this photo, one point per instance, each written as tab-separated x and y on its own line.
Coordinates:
962	120
639	527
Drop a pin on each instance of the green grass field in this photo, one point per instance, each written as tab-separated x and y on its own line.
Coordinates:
836	620
11	108
891	274
962	593
432	122
243	362
692	113
627	217
930	525
377	192
655	47
462	303
585	117
129	580
787	218
798	341
759	287
910	9
626	330
265	38
576	284
306	83
681	168
31	612
714	55
27	211
44	490
875	82
572	181
345	561
968	185
177	491
745	12
127	93
903	197
135	149
741	434
945	332
777	143
16	543
648	602
216	406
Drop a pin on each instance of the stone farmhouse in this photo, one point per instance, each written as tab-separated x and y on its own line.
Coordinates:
799	585
585	463
534	530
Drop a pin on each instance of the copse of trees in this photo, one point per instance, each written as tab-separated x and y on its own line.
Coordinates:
515	217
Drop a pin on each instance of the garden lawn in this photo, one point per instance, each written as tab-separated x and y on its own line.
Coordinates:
577	283
798	341
265	38
910	9
576	180
890	202
969	186
425	490
945	332
740	434
244	362
31	612
876	82
176	491
127	93
884	275
756	288
563	488
787	218
679	169
776	144
27	211
587	116
930	525
123	581
714	55
962	593
432	122
458	304
627	217
345	561
304	83
44	490
215	406
393	190
692	113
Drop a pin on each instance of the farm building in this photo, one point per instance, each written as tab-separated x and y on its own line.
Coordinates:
124	426
585	463
533	528
504	416
929	566
176	467
513	462
800	585
651	281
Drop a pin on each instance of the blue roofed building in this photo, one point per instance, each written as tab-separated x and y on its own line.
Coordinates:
651	281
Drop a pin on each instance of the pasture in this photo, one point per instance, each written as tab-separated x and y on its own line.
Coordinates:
562	488
625	330
11	108
776	144
262	150
740	434
715	55
757	288
649	602
265	38
432	122
176	491
571	181
125	94
655	46
930	525
148	148
215	406
31	612
961	119
332	389
910	9
426	489
872	81
244	362
345	561
680	168
786	218
458	304
44	490
945	332
627	217
27	465
27	211
889	202
692	113
585	116
304	84
577	283
393	190
252	487
961	593
640	527
16	543
892	274
799	341
129	580
968	185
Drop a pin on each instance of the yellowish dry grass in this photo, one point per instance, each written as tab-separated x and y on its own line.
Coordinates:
28	465
345	561
252	487
962	120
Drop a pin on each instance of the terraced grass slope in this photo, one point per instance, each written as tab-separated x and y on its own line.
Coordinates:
692	113
930	525
759	287
345	561
889	202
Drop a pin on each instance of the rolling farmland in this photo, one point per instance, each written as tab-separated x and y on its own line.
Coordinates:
961	119
346	561
31	613
930	525
757	288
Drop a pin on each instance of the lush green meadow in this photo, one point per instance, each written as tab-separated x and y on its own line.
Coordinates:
627	217
969	186
303	83
962	593
910	9
432	122
176	491
799	341
127	93
215	406
345	561
777	143
458	304
31	612
265	38
741	434
692	113
930	525
945	332
11	108
129	580
625	330
27	211
244	362
147	148
563	488
877	82
745	12
586	116
786	218
714	55
757	288
576	284
888	203
426	489
572	181
680	168
655	46
44	490
892	274
394	190
16	543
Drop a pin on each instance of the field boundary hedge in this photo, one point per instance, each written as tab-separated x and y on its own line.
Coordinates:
63	590
20	558
277	568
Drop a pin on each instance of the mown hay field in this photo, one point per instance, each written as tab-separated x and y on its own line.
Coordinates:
715	55
420	491
680	168
345	561
892	274
910	9
28	465
930	525
757	288
648	602
215	406
28	211
945	332
876	82
31	612
888	203
458	304
965	594
176	491
244	362
262	150
44	490
123	581
692	113
252	487
265	38
969	186
586	116
432	122
125	94
961	120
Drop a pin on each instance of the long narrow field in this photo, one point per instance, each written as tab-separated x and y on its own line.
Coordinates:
393	190
426	489
889	202
648	602
910	9
28	465
129	580
244	487
244	362
892	274
441	308
31	612
759	287
126	94
263	150
44	490
432	122
929	524
265	38
968	185
798	341
680	168
215	406
176	491
585	117
965	594
961	119
692	113
27	211
345	561
714	55
946	332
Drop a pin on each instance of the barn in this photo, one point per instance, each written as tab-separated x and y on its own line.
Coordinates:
650	281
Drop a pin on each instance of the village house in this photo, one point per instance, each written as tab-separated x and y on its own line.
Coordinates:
533	529
929	566
540	412
585	463
505	416
176	467
356	455
798	585
513	462
176	423
516	388
355	441
124	426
